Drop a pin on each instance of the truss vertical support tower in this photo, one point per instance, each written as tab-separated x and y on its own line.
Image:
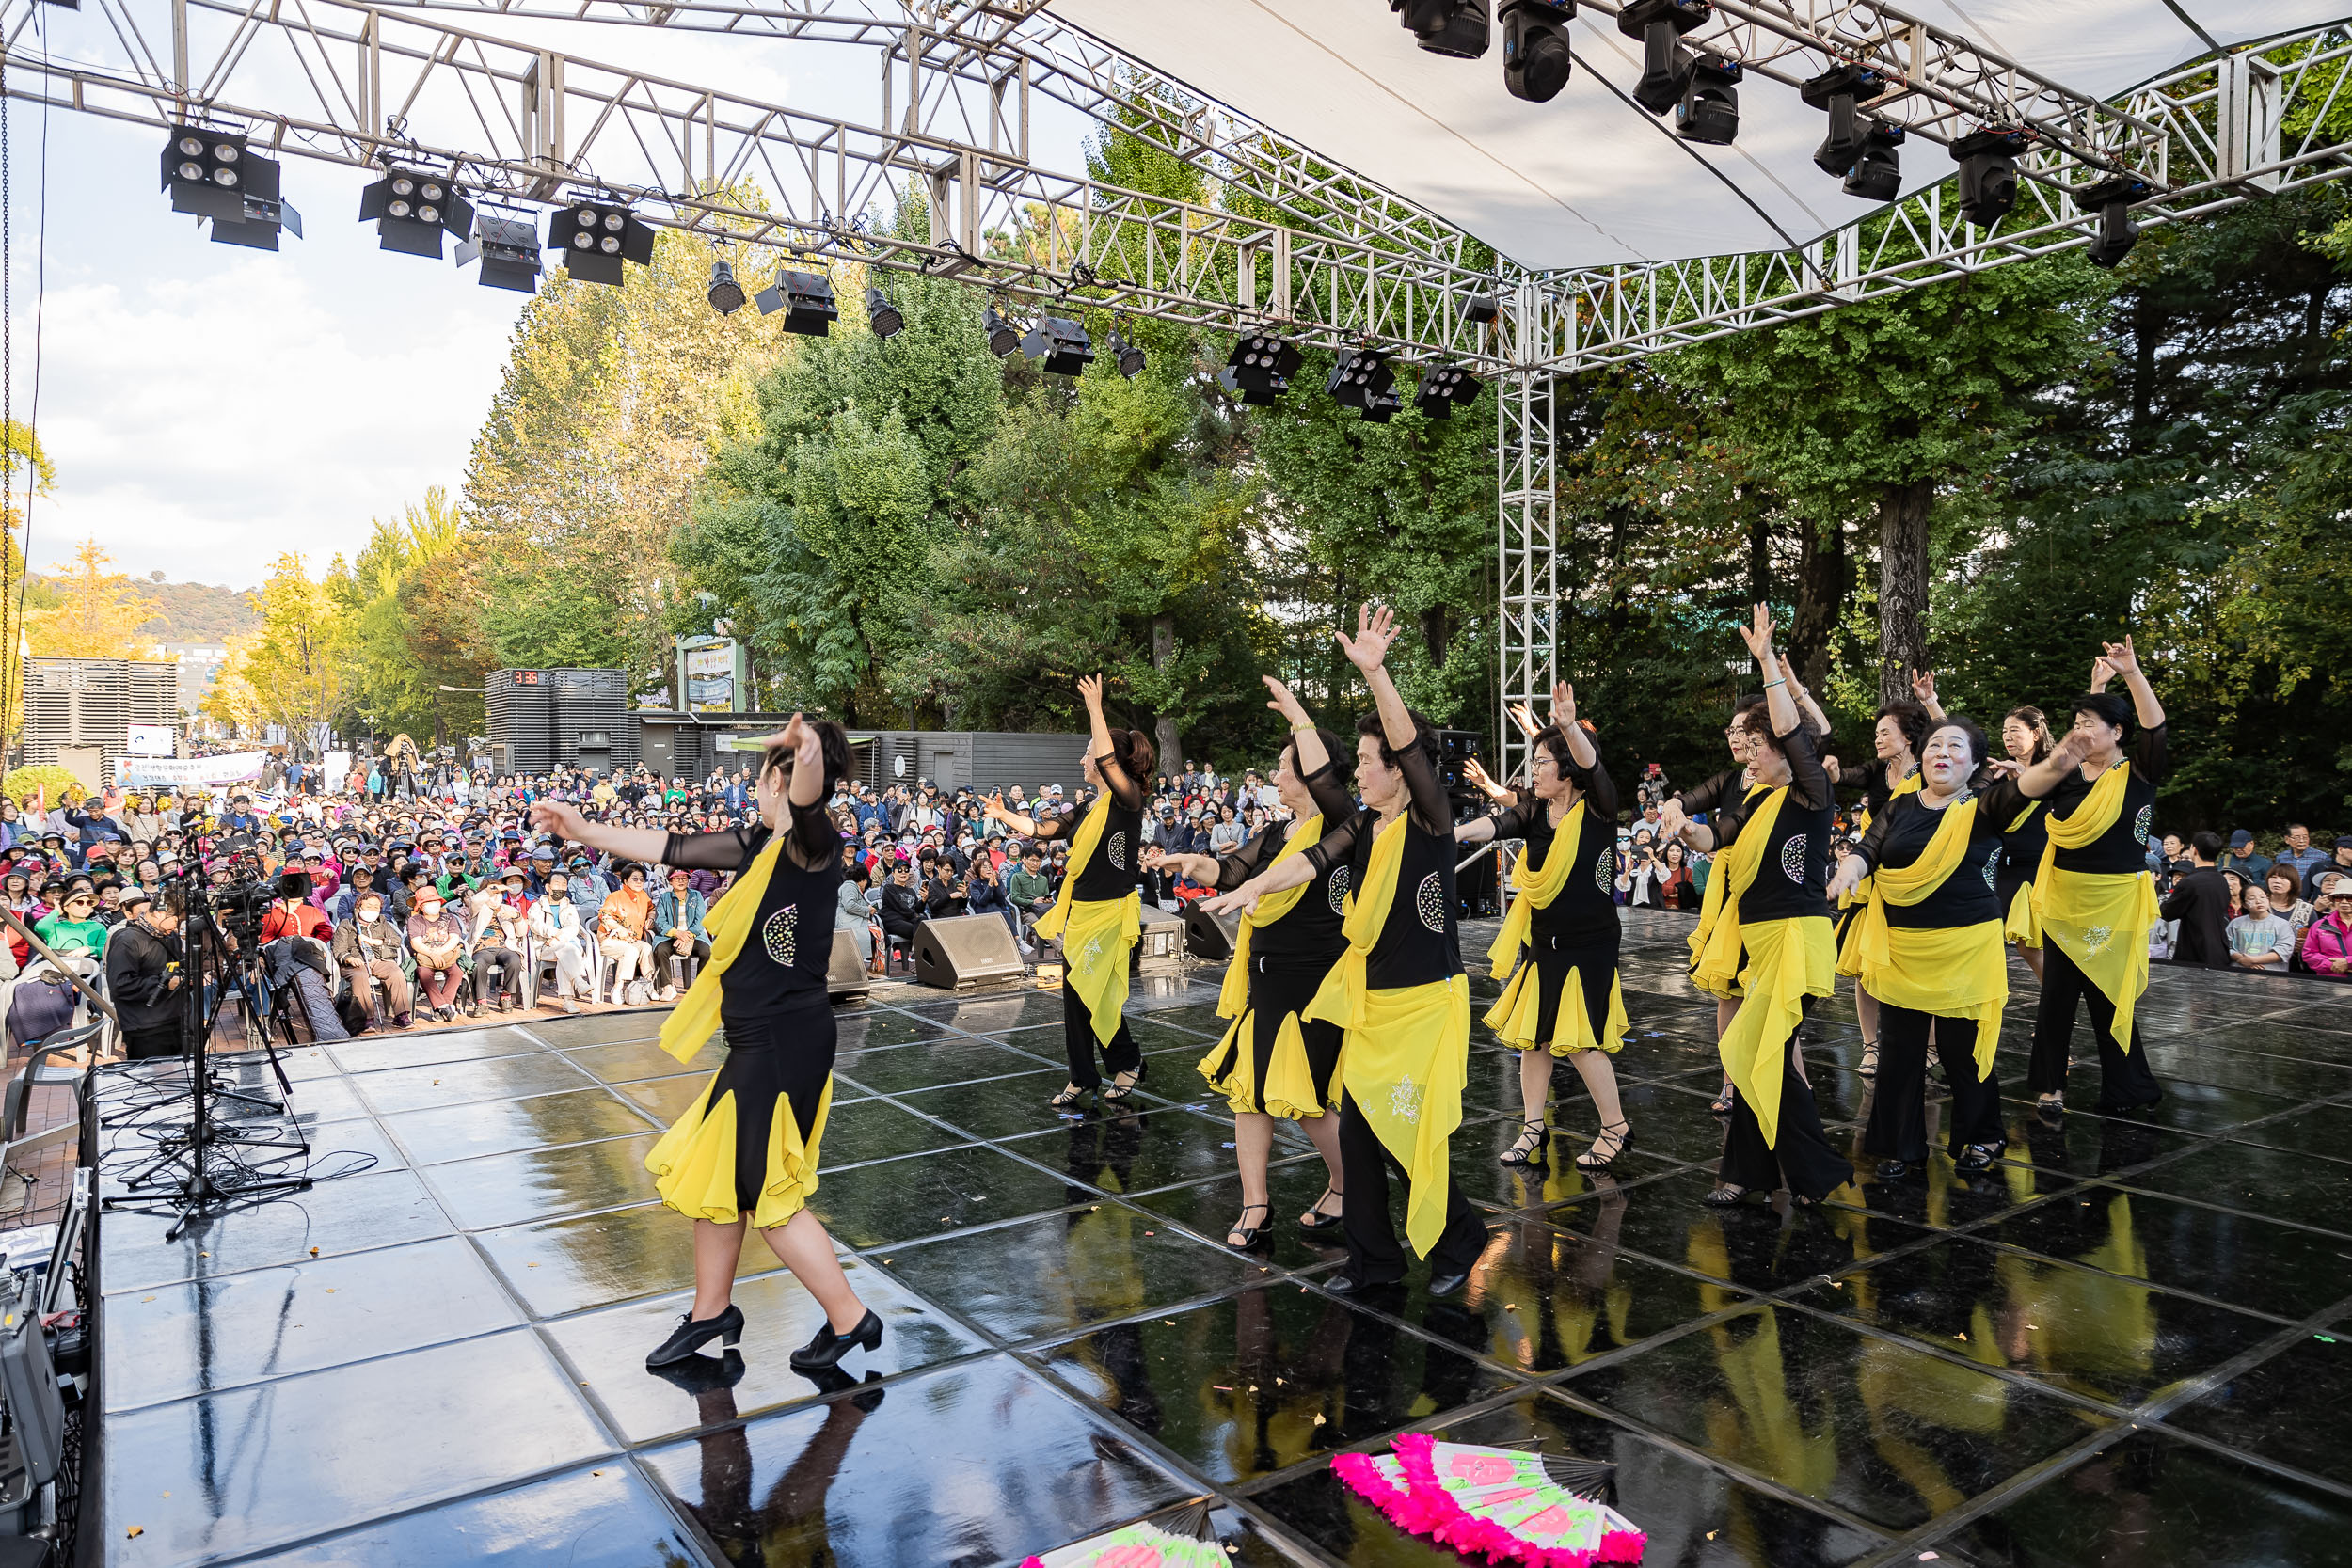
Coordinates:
1526	517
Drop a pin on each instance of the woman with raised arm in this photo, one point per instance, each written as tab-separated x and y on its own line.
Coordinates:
748	1148
2025	737
1559	941
2093	894
1896	736
1273	1062
1399	993
1764	936
1928	943
1728	791
1099	915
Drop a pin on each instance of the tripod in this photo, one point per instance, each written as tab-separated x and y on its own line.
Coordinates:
189	1159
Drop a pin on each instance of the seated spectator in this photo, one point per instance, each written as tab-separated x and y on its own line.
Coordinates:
2171	862
622	926
500	913
944	892
985	894
292	915
1675	888
2202	902
902	906
75	930
368	947
2342	864
2300	856
2288	904
1030	891
2258	938
677	919
854	914
436	938
2328	941
554	926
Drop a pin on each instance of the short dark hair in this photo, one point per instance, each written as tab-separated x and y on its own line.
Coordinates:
2295	883
1554	741
1911	718
1332	749
2107	707
2207	845
1424	739
833	746
2034	719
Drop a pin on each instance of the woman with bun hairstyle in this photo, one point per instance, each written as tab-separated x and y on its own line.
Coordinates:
747	1149
1099	915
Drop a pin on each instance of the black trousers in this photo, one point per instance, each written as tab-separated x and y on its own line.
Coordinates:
1898	1103
508	966
1803	1161
1120	1052
1375	1257
2126	1082
143	1045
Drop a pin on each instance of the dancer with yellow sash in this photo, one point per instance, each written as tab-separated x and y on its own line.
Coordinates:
1728	791
1559	944
1764	936
2025	737
1399	993
1894	773
747	1149
1272	1062
1099	913
2093	894
1928	945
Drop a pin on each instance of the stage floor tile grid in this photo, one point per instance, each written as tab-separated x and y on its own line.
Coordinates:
2130	1332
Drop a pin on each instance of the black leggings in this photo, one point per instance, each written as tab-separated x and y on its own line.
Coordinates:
1898	1101
1120	1052
1802	1160
2125	1083
1375	1257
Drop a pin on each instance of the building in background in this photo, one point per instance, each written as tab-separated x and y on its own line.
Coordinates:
79	712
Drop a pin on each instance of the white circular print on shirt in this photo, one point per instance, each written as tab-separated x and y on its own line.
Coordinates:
1605	871
1793	858
1429	903
1119	850
1338	885
780	934
2141	823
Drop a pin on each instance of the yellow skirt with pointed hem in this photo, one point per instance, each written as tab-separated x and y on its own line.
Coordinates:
1271	1061
1516	1018
748	1147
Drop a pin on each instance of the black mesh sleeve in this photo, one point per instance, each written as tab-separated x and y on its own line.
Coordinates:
1997	805
727	851
1431	812
1715	794
1251	858
1872	847
2149	756
1126	791
1516	821
1809	785
1330	792
1049	828
815	835
1603	794
1337	844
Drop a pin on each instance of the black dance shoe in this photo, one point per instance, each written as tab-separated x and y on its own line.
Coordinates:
1892	1170
692	1335
828	1347
699	1374
1977	1157
1446	1283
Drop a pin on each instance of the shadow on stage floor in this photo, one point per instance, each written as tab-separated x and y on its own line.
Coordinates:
2131	1337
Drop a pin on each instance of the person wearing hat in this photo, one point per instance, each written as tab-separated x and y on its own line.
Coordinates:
143	978
2342	864
498	917
367	948
346	899
2244	859
437	938
678	917
74	928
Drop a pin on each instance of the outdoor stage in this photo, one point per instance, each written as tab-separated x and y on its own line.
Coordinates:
2131	1343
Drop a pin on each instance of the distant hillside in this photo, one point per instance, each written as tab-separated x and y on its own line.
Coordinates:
196	611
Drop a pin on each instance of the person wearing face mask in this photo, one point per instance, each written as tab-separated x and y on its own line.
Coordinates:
1928	943
1764	936
366	947
1273	1063
2095	896
1398	993
1099	913
622	925
1559	942
555	932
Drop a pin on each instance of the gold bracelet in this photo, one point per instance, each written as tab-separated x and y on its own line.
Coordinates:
1300	729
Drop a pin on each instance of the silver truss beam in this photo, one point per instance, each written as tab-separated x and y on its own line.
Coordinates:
1526	541
521	124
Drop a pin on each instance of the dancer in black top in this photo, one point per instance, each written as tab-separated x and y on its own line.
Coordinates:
748	1148
1561	948
1273	1062
1099	914
1720	793
2025	737
1896	736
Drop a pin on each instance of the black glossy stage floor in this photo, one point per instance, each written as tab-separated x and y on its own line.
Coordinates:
2130	1343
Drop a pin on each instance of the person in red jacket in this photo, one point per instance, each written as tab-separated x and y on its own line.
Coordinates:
292	915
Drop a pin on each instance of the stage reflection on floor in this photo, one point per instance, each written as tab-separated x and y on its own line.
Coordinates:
2127	1343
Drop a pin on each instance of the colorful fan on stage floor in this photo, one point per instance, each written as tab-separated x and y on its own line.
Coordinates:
1542	1510
1184	1540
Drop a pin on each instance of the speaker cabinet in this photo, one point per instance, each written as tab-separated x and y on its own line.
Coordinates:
1161	951
966	951
1209	936
846	979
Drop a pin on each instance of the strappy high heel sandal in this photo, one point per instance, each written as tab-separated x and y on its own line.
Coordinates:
1068	1098
1724	1196
1617	1135
1870	1068
1528	1148
1121	1091
1249	1234
1315	1221
1721	1104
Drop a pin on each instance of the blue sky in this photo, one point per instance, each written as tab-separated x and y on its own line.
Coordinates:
207	406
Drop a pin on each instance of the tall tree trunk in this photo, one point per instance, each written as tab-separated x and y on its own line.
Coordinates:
1821	589
1903	585
1164	734
1759	555
1436	635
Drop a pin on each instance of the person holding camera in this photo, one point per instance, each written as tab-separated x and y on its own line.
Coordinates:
143	978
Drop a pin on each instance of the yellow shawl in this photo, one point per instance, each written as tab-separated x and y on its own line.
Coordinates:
1715	945
1517	1012
1407	1050
1960	971
1861	889
1097	934
2022	925
2100	920
1290	1081
1535	890
728	923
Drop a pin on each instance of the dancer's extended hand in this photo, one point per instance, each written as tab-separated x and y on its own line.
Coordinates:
1672	820
1758	637
1374	630
1525	720
1240	901
559	818
1090	688
2120	656
1478	776
1848	876
1923	687
1563	706
1285	702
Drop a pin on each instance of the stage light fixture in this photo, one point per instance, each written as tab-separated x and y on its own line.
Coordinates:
881	315
1841	90
595	237
1479	310
1666	66
1536	56
508	250
1261	367
2113	197
725	293
806	300
1988	174
216	175
1004	333
1381	409
412	209
1359	377
1444	388
1126	354
1062	344
1709	110
1878	173
1456	27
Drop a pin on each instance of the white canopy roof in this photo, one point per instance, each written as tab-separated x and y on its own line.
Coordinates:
1589	178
